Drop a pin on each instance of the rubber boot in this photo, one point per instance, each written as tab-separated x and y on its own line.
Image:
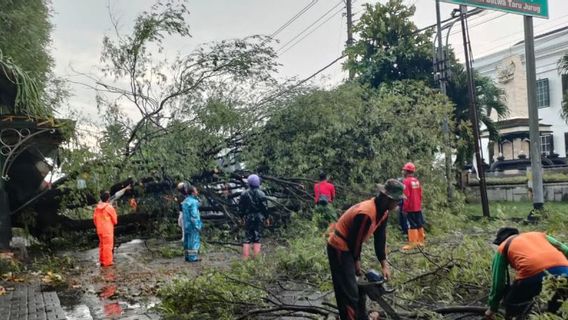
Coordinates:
412	239
246	250
256	249
421	237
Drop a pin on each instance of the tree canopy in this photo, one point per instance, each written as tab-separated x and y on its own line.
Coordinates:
25	36
357	135
389	46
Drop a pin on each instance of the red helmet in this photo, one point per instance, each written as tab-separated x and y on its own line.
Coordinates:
409	166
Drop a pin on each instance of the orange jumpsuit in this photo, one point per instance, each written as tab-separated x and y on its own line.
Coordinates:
105	219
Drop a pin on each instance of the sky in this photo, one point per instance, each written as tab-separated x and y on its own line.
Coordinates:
79	27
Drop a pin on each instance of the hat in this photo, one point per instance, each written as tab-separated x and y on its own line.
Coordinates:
504	233
392	189
184	187
254	181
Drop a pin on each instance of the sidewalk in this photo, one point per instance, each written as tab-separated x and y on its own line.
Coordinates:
29	303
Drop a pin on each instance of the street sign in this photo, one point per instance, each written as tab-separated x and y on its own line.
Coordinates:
536	8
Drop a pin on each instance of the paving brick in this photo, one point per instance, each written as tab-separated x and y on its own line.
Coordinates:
29	303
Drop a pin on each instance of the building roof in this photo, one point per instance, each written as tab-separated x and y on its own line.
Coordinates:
516	126
516	122
546	34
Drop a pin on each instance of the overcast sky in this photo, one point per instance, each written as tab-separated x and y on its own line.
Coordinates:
81	25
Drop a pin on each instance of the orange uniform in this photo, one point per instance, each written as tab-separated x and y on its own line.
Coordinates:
338	238
531	253
105	219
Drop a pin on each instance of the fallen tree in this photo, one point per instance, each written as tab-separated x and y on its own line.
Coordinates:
156	200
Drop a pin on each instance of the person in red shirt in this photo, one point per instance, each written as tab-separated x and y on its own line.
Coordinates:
324	191
412	207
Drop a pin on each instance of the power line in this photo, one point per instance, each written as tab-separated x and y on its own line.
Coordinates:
312	31
294	18
479	24
469	14
505	40
278	94
311	25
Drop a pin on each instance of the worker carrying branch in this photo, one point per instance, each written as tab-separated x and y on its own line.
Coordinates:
105	219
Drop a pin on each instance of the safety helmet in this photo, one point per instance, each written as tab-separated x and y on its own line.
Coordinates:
409	166
254	181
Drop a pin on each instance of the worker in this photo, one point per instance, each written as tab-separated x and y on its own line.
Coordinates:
402	220
192	225
105	219
412	207
324	191
533	255
254	209
346	238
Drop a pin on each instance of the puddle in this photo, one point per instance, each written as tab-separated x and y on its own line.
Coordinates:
128	290
123	291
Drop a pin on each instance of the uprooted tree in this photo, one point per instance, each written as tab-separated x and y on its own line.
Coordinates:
220	105
170	120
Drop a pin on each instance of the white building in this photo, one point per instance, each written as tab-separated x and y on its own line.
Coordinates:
507	68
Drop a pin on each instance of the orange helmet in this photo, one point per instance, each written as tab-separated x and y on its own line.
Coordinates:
409	166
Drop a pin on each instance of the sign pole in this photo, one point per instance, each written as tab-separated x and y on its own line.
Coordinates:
534	134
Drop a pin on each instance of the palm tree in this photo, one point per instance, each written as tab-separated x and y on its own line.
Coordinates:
19	91
489	98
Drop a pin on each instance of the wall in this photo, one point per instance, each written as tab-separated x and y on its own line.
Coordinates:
553	192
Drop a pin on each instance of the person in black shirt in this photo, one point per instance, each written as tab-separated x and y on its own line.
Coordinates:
253	207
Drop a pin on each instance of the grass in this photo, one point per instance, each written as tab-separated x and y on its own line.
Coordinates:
453	269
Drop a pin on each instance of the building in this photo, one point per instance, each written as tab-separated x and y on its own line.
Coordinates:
507	68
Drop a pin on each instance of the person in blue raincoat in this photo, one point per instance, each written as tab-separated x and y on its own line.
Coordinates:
192	225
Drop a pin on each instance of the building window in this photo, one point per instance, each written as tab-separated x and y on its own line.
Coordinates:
542	93
564	87
546	145
566	143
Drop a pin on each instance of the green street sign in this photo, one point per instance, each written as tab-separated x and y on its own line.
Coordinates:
536	8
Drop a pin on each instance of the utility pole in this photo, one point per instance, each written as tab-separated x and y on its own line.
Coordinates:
534	134
441	72
349	32
473	114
